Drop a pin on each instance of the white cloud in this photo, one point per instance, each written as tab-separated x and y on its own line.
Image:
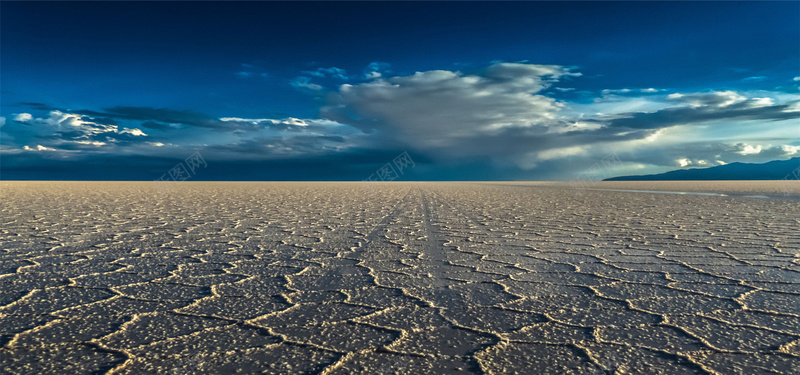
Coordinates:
90	143
655	135
719	99
761	102
253	121
795	107
796	79
684	162
2	121
38	148
289	121
75	121
558	153
578	125
64	131
790	150
648	90
88	127
376	69
615	91
749	150
23	117
136	132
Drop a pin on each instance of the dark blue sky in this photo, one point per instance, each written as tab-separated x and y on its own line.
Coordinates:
522	90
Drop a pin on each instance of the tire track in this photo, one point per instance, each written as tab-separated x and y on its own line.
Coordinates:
435	250
381	227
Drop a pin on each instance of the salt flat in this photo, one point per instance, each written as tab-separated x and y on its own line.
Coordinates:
382	278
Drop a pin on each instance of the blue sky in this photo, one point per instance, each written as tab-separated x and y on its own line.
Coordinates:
333	91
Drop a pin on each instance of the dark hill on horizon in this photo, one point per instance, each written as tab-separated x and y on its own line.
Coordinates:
773	170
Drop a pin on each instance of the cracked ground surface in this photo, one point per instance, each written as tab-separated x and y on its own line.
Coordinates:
383	278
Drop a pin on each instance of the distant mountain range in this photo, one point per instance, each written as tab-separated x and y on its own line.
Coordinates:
773	170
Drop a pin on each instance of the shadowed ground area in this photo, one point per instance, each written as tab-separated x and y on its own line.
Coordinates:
385	278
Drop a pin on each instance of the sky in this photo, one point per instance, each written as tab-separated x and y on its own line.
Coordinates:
394	91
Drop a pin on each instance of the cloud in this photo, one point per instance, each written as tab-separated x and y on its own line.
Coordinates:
304	84
503	120
134	132
270	148
755	78
23	117
266	121
649	90
376	69
559	153
90	143
250	71
432	108
289	123
126	129
704	107
2	121
162	115
502	113
250	74
748	150
38	106
332	72
165	119
790	150
159	126
66	131
38	148
81	126
705	154
796	79
713	98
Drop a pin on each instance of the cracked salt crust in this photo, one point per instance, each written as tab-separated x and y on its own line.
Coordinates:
424	278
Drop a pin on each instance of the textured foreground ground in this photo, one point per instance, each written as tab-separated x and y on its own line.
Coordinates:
415	278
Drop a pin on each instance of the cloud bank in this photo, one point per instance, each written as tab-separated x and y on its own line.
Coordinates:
510	117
